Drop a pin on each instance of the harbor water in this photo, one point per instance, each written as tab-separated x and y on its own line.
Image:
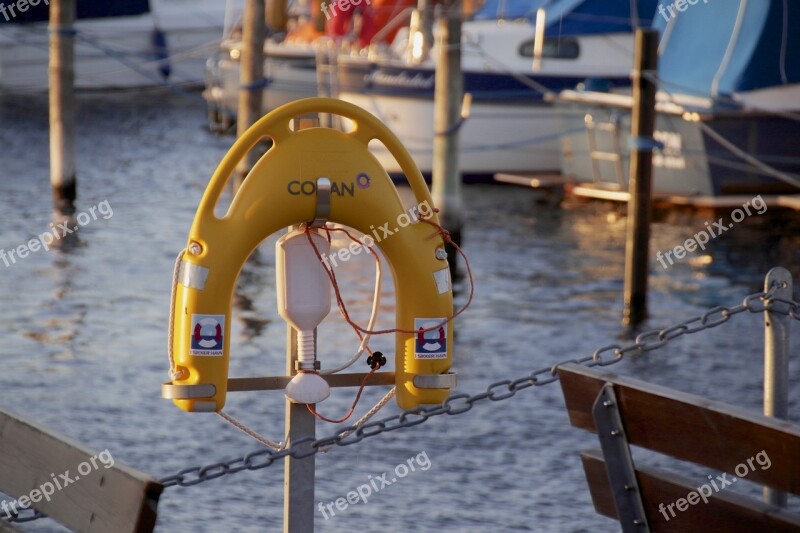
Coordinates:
85	333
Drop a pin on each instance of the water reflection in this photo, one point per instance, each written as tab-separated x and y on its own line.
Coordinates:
253	279
58	320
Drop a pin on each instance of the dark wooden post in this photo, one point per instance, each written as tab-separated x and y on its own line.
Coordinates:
642	125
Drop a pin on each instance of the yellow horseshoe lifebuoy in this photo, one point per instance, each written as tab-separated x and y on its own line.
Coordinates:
280	192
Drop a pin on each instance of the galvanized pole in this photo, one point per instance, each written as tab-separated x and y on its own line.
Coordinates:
642	124
251	77
298	474
62	103
776	359
449	90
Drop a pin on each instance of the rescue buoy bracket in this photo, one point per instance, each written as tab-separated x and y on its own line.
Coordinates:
264	383
351	379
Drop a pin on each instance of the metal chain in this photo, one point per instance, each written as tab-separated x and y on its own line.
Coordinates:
501	390
461	403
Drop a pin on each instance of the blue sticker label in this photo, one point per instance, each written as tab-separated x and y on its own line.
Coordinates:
430	344
207	335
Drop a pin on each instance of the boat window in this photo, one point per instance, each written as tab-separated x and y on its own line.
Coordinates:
554	48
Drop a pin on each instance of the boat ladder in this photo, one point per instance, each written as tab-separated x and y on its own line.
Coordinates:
596	156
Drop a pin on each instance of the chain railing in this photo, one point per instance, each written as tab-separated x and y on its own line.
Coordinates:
501	390
461	403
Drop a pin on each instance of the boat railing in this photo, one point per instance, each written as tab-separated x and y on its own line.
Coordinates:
612	127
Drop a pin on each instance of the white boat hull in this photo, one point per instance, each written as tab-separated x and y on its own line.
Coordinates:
496	137
118	53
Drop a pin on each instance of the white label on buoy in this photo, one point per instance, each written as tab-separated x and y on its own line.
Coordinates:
442	278
430	344
207	335
193	276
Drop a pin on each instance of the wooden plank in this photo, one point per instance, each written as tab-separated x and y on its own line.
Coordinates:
790	201
96	494
725	511
538	181
589	191
690	427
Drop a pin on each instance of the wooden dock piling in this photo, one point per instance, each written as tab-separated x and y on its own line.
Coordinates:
449	90
62	104
276	15
251	76
637	246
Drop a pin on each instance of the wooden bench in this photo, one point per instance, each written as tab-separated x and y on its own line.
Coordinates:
96	493
624	411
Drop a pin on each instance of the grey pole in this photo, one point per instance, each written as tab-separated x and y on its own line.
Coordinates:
298	474
776	360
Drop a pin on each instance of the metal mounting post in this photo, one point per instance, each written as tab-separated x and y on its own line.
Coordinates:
619	463
776	359
298	474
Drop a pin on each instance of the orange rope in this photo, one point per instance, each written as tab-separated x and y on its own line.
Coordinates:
334	282
340	302
361	331
352	407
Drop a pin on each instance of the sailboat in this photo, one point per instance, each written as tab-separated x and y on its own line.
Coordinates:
119	44
512	127
727	111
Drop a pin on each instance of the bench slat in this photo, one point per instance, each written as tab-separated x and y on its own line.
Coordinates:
689	427
115	500
725	511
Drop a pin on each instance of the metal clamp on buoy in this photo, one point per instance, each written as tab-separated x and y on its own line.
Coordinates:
323	208
171	391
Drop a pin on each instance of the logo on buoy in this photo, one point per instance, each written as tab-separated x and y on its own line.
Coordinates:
207	335
362	180
430	344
